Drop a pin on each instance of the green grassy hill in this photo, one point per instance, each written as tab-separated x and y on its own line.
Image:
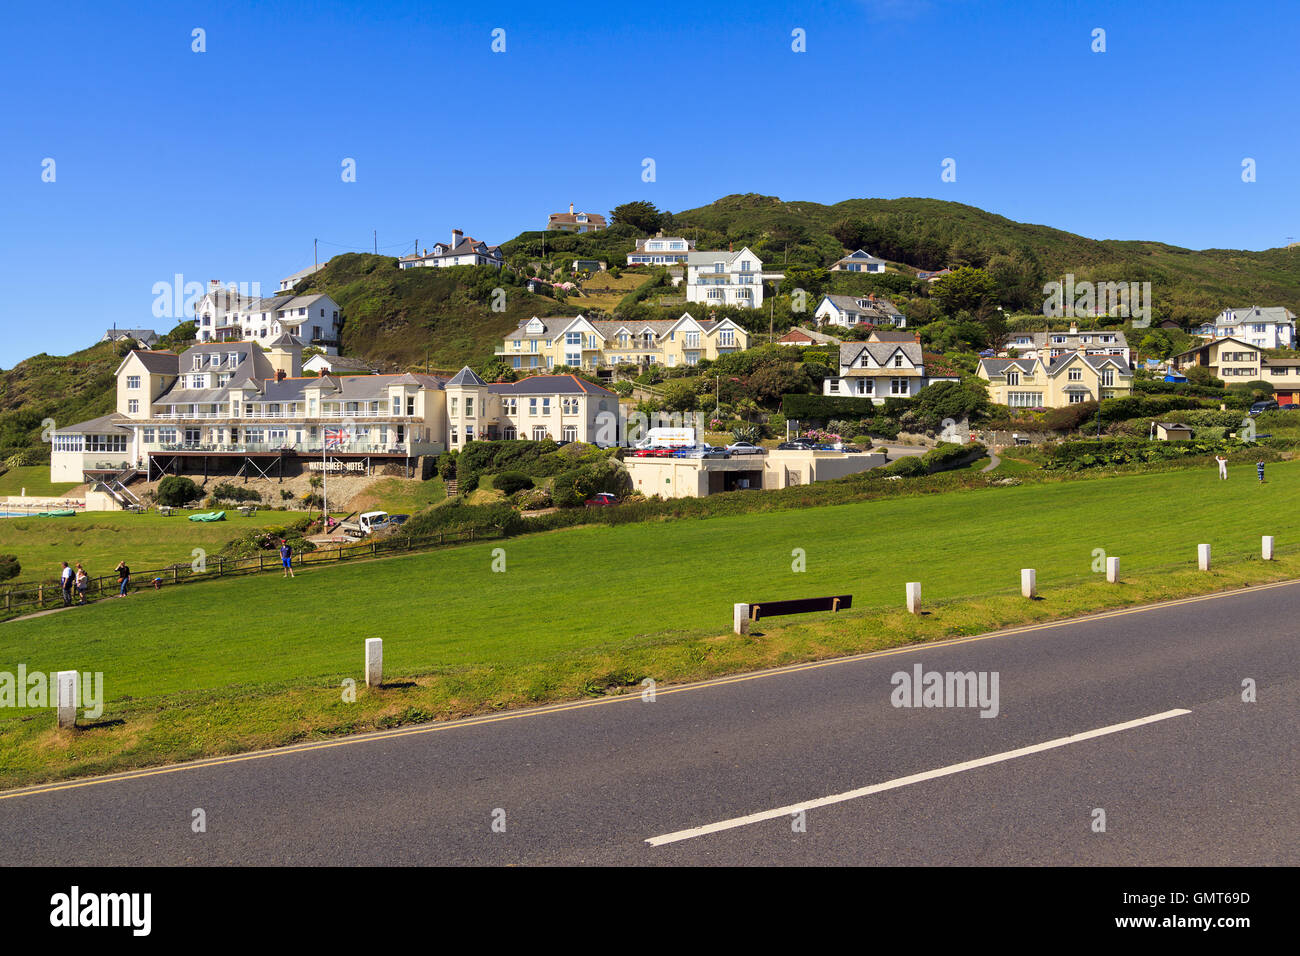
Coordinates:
393	315
66	388
930	234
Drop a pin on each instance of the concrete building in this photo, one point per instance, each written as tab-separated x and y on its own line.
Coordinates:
1267	327
700	477
660	250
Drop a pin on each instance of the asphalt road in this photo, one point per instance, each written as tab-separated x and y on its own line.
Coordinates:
591	783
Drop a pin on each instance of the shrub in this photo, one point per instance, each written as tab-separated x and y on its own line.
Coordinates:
230	492
446	465
508	482
9	567
909	467
177	491
268	539
532	499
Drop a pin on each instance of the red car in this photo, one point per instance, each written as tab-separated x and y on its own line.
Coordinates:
602	500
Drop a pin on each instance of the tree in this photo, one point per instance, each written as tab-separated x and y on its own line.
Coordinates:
641	215
769	383
1201	375
679	397
965	289
956	400
176	491
9	567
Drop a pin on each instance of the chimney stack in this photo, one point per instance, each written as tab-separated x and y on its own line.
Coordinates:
456	235
279	375
214	284
1074	327
570	209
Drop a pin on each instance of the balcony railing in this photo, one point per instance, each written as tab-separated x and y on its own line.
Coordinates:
300	448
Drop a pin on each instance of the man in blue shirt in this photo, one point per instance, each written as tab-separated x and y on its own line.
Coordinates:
286	558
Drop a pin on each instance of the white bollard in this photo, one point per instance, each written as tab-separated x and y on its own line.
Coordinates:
374	661
1268	547
740	618
1203	556
1112	570
65	683
914	597
1028	582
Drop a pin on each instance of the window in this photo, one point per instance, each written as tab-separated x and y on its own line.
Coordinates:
1025	399
866	386
1108	376
469	432
1075	375
692	340
105	443
569	405
133	406
133	381
146	436
454	403
469	408
455	435
68	443
1013	378
1078	397
532	407
898	361
410	405
898	386
570	433
539	433
833	386
573	338
546	406
198	361
726	337
509	406
196	381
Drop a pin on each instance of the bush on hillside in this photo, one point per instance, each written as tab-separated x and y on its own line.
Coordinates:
229	492
258	540
9	567
508	482
177	491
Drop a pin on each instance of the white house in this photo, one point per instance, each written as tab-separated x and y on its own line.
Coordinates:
1268	327
322	364
881	370
463	250
228	315
725	278
860	261
660	250
851	310
289	282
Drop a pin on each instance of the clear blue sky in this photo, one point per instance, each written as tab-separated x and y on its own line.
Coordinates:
226	164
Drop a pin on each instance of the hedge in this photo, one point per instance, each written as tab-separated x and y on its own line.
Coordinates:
825	407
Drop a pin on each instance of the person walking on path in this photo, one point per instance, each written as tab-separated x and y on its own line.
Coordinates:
66	580
286	558
83	584
1259	468
123	577
1223	466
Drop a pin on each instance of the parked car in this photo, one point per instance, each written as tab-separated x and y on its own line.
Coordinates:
398	520
1288	407
745	448
796	445
1263	407
602	499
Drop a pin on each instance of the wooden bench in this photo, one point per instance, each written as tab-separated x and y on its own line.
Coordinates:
838	602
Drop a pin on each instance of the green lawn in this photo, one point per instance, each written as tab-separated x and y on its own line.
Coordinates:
589	587
36	479
99	539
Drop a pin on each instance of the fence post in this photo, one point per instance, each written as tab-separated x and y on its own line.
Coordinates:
1267	547
740	618
1203	556
176	574
914	597
221	566
260	565
1028	582
65	683
1112	570
374	661
40	595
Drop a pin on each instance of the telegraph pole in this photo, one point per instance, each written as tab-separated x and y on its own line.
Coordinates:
315	258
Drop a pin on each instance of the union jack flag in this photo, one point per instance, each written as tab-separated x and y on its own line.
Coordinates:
336	437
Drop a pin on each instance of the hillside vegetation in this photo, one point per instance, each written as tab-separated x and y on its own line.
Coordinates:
66	388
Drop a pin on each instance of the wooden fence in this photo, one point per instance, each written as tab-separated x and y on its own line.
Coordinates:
37	597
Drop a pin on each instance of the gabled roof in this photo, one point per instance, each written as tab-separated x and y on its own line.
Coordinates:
465	376
104	424
860	255
820	338
1258	313
286	341
156	363
881	352
548	385
850	303
709	256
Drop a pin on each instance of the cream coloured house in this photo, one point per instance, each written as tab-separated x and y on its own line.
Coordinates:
232	408
1066	380
541	344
